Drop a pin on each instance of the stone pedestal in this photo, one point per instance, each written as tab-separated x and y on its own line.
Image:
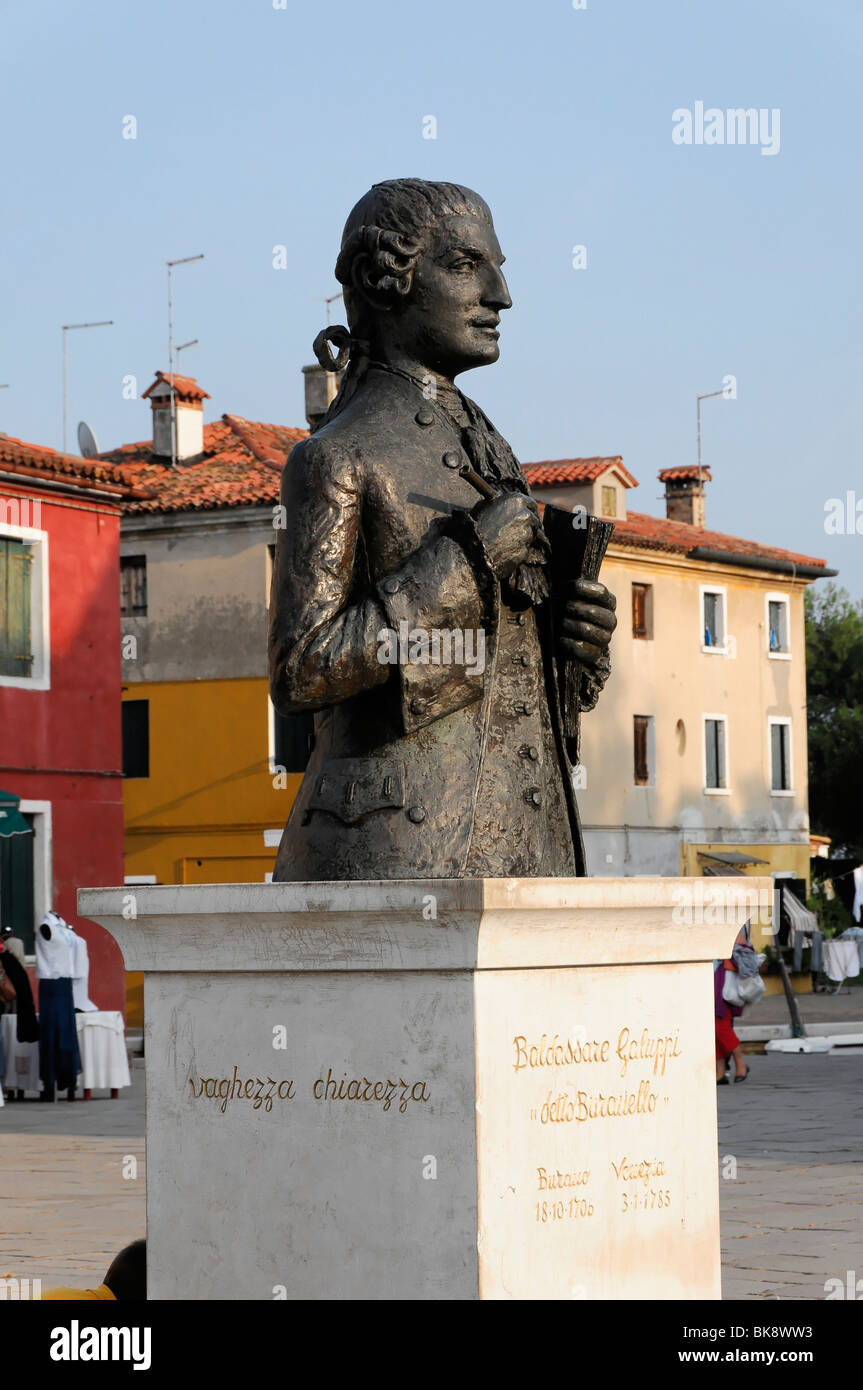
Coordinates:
451	1089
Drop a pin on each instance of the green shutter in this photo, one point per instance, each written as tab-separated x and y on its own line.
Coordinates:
16	652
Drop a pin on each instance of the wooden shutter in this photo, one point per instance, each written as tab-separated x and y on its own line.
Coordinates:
16	647
640	723
639	610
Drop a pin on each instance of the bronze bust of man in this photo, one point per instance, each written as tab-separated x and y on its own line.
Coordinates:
412	617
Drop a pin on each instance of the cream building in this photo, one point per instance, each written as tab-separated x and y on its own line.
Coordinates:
695	759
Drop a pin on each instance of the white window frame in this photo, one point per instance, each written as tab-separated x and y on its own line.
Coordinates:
778	598
40	625
715	791
43	857
780	719
713	589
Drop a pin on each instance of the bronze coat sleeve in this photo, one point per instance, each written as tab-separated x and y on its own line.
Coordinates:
328	619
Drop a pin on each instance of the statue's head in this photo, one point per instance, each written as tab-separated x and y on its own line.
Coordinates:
421	269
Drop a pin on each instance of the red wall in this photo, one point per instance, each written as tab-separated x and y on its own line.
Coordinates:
63	745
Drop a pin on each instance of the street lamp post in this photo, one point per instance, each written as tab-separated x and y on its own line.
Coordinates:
103	323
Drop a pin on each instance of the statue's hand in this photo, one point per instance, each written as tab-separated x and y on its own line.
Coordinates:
588	622
511	532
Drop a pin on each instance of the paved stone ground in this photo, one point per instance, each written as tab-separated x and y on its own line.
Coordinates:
67	1207
792	1217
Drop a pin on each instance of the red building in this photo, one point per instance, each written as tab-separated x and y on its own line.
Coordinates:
60	731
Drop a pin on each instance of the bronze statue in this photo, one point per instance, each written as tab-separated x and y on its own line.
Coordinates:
414	619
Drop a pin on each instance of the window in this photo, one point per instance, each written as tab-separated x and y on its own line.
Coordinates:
609	500
136	738
24	630
780	756
642	743
778	643
133	586
642	610
16	654
715	753
17	885
293	738
713	619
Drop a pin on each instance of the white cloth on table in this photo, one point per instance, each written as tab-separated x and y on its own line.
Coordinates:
841	960
102	1043
22	1059
81	975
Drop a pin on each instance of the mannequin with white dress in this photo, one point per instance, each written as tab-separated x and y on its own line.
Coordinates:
59	1058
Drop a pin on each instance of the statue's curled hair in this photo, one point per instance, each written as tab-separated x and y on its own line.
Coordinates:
381	244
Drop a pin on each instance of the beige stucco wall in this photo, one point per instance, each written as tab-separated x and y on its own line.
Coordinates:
671	678
207	594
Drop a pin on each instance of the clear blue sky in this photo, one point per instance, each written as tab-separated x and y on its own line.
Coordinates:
259	126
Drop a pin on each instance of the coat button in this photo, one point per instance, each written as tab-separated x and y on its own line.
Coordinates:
419	706
524	708
535	797
416	814
390	586
424	416
533	754
452	459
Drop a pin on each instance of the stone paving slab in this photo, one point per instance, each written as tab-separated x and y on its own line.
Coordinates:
793	1216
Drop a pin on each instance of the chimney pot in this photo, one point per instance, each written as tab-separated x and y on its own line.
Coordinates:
321	388
684	494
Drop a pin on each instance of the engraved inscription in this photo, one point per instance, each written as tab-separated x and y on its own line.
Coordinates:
568	1070
260	1092
384	1093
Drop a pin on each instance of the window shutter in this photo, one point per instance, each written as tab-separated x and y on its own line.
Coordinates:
640	722
639	610
16	650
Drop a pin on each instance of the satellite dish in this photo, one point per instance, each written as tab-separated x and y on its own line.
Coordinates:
87	441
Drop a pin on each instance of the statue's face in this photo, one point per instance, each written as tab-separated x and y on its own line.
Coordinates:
450	320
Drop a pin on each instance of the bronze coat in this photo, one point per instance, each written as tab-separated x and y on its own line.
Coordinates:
377	530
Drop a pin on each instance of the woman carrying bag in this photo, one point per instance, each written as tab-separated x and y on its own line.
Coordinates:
736	983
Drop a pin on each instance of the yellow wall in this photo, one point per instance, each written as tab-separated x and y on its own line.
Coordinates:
200	816
210	794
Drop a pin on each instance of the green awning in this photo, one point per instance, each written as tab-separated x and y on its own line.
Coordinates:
11	820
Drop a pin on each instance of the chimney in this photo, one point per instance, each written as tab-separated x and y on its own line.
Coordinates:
189	410
684	494
321	388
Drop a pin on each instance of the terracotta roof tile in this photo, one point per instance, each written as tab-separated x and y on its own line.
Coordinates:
678	537
688	473
581	470
240	466
183	385
36	460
